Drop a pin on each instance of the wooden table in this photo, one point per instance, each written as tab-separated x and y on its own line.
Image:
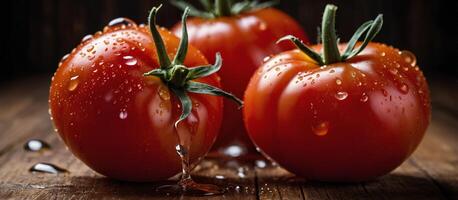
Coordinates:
431	173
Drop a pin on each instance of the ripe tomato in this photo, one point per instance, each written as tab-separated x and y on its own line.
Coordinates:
244	39
353	118
120	121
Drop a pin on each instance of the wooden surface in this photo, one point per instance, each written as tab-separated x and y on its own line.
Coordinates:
431	173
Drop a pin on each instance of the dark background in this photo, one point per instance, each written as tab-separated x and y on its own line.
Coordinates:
39	32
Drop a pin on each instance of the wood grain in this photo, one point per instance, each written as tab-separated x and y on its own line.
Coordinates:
431	172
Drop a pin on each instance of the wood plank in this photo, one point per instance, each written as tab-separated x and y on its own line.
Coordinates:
438	157
24	110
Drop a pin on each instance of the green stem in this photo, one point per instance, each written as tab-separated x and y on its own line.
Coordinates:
223	8
331	52
330	41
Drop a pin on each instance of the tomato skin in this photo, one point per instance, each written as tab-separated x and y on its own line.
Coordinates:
344	122
119	122
243	41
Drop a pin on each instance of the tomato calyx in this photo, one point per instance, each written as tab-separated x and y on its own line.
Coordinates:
330	41
222	8
177	76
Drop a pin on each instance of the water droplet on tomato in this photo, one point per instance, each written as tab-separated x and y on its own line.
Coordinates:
341	95
64	57
384	92
364	97
123	114
90	48
130	60
267	58
321	129
338	81
121	21
408	57
262	26
393	71
404	88
164	94
36	145
73	84
382	54
47	168
86	38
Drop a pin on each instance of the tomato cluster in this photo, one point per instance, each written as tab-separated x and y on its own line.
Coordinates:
127	100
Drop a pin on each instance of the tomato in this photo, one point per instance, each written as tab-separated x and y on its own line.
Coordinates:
244	40
123	123
346	118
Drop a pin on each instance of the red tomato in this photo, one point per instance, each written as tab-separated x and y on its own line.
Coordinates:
119	121
244	40
349	120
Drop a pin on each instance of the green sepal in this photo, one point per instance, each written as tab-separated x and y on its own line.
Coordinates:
186	104
202	71
304	48
164	59
374	29
183	46
202	88
330	41
178	77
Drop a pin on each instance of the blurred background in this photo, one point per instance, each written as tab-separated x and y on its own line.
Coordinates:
39	32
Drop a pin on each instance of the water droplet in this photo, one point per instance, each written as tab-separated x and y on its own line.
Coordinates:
90	48
338	82
321	129
353	74
260	163
404	88
164	94
341	95
262	26
123	114
364	97
267	58
130	60
36	145
393	71
64	57
86	38
408	57
234	151
241	172
73	84
382	54
121	21
47	168
385	93
332	71
220	177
